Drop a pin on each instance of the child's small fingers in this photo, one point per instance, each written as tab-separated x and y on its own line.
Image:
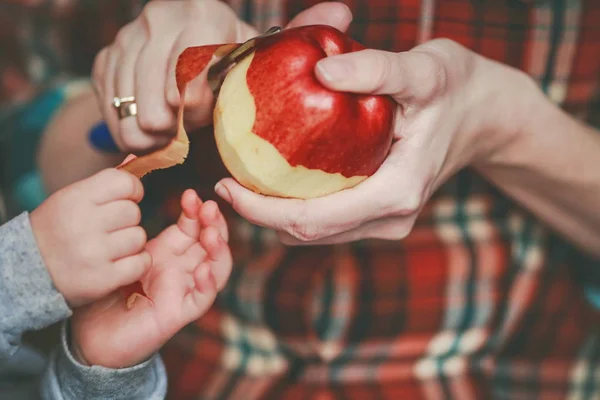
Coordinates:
204	279
191	257
173	240
188	220
219	254
120	214
210	215
126	242
131	269
113	184
198	301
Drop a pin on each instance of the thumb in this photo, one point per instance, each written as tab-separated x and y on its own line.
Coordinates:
413	76
333	14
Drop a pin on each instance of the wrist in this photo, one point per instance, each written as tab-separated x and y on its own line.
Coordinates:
36	222
76	350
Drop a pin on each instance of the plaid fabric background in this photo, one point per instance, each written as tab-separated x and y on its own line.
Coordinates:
481	301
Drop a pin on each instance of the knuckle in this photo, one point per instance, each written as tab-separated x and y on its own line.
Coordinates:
132	142
132	211
139	236
158	121
123	180
130	183
172	94
153	13
439	55
141	263
99	66
445	46
383	70
396	230
408	205
438	70
123	37
135	212
108	175
302	228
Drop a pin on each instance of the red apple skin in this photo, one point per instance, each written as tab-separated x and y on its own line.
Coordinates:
310	125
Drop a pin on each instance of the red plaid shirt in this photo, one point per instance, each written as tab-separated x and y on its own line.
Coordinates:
481	300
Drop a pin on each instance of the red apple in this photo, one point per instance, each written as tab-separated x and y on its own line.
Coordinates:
280	132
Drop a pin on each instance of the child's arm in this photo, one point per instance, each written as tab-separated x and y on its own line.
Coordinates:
80	245
29	301
28	298
66	378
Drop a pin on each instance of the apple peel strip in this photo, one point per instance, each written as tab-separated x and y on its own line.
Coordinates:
190	64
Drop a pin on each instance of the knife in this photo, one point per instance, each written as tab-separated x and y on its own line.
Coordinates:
217	72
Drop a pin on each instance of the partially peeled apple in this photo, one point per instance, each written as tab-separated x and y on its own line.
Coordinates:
278	130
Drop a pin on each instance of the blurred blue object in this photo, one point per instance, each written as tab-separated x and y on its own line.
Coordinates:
101	139
28	191
593	295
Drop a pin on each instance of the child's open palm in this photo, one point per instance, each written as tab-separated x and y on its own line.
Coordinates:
191	261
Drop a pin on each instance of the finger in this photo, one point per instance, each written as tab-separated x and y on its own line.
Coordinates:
126	242
134	139
198	96
210	215
112	184
120	214
99	71
155	116
204	279
414	76
314	219
188	222
334	14
389	228
177	239
106	86
192	256
218	253
171	242
131	269
199	300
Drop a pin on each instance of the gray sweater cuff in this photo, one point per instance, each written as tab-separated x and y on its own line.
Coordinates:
28	298
66	378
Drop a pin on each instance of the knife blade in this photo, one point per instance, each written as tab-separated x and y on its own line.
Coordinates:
218	71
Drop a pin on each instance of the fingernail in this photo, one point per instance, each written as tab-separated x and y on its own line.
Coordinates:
333	70
222	191
128	159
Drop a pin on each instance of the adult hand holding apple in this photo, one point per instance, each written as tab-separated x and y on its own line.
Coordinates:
446	96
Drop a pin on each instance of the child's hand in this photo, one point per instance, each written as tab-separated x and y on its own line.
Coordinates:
191	263
89	237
